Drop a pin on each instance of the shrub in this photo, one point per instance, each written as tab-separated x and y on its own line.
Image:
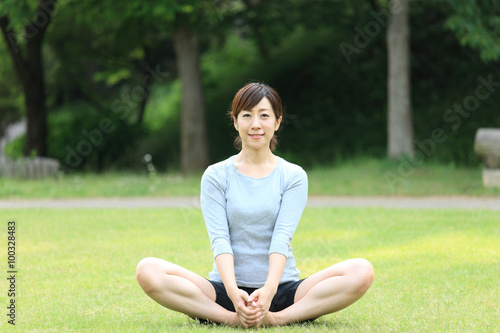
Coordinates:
82	138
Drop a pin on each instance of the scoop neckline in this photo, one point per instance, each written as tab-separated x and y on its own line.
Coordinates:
266	176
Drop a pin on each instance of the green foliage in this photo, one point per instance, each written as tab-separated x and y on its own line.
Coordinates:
112	77
315	85
162	123
337	110
18	11
98	50
11	103
477	24
82	138
90	62
163	106
236	55
446	81
164	16
22	13
14	149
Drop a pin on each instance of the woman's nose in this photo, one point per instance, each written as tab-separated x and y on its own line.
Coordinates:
256	122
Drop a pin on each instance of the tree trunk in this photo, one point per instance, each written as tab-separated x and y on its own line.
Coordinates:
400	124
194	144
29	69
36	119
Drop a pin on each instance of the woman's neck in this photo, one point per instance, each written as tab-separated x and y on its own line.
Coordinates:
254	157
256	165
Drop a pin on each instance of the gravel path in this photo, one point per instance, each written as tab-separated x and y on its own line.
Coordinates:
438	202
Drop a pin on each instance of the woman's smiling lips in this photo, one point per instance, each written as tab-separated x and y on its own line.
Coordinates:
256	136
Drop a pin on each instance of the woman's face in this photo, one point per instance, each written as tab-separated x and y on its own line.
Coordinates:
257	126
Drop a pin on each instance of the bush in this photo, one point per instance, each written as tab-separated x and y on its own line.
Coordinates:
82	138
14	149
322	119
338	109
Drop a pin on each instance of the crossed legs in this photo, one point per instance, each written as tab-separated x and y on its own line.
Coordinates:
327	291
179	289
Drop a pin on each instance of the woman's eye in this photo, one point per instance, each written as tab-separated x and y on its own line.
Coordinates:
264	115
246	115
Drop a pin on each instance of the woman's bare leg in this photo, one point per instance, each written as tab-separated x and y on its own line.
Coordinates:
181	290
327	291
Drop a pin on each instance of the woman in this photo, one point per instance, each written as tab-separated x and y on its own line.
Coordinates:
252	203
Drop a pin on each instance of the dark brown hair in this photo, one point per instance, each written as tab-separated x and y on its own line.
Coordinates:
249	96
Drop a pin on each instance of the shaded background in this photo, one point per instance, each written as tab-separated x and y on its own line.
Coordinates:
101	84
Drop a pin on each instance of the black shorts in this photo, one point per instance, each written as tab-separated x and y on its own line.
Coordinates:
284	296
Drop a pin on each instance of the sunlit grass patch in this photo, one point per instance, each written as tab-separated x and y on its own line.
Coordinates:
435	270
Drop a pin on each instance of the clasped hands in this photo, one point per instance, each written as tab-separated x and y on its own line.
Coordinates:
253	310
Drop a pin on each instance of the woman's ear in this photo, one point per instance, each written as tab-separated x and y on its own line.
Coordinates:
235	123
278	123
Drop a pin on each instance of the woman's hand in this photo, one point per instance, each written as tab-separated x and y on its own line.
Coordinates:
261	299
248	316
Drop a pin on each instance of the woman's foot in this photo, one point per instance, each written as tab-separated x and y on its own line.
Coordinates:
268	320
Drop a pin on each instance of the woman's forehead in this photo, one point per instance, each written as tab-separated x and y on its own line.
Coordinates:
263	105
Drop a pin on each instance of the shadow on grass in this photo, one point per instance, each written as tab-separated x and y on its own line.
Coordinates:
330	325
318	325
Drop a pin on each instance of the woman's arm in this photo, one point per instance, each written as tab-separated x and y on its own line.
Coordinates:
213	207
225	265
293	203
261	298
276	266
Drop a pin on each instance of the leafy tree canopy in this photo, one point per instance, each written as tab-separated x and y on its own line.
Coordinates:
477	24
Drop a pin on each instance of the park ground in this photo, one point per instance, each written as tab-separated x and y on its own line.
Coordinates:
436	256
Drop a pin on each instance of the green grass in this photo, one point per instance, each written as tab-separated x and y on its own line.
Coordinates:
436	270
362	177
101	185
365	177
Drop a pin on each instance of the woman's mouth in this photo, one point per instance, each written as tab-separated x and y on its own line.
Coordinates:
256	136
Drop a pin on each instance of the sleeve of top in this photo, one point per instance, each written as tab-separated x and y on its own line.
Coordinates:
213	207
293	203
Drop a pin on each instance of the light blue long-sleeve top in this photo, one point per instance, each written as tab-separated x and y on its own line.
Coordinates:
251	218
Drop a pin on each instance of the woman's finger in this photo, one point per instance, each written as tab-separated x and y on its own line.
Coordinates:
252	316
249	323
249	316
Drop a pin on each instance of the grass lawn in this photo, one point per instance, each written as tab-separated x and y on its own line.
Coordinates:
436	270
362	177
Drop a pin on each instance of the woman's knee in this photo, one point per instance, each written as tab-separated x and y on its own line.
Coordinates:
145	273
364	273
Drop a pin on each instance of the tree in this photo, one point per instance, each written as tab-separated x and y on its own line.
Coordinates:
11	104
191	18
104	52
400	135
26	54
183	23
477	25
194	147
